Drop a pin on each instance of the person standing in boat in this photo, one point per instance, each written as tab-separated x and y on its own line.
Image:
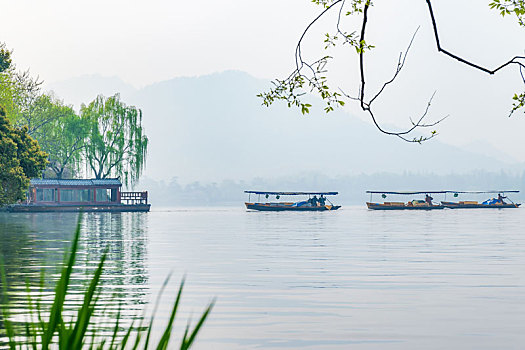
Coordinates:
428	199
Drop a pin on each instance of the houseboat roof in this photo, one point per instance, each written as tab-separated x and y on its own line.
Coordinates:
76	182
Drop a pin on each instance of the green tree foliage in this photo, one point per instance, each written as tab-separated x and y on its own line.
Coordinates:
508	7
516	8
6	81
5	58
116	144
108	137
20	159
30	102
62	135
311	76
56	127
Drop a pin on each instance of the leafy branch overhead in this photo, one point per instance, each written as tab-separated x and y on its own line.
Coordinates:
311	77
509	7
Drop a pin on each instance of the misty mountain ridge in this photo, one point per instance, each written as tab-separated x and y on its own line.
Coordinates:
85	88
213	127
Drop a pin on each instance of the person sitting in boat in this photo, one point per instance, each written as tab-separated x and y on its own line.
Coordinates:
501	199
428	199
322	201
315	201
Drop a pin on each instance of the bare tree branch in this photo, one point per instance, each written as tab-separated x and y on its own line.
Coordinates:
310	75
514	60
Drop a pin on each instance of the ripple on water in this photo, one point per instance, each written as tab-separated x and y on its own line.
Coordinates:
347	279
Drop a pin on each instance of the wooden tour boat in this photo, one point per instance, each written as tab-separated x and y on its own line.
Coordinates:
492	203
311	204
428	204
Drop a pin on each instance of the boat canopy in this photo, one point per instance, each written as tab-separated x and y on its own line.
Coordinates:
293	193
427	192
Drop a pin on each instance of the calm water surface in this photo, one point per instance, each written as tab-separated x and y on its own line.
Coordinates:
350	279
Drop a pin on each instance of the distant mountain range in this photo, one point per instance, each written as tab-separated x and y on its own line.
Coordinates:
213	127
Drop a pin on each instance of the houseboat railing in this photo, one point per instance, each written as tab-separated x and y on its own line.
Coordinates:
134	197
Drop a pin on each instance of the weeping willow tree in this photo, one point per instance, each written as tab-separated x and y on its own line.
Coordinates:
116	145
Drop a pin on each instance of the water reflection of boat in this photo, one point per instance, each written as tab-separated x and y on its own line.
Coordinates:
492	203
415	204
313	203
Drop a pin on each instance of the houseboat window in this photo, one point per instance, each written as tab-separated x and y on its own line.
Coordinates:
45	194
103	194
76	195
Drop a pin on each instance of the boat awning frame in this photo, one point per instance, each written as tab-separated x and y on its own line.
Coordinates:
293	193
443	192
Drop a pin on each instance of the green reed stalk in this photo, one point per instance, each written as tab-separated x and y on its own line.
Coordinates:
74	335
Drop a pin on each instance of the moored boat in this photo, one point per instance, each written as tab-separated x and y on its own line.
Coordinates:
310	204
428	204
88	195
414	204
492	203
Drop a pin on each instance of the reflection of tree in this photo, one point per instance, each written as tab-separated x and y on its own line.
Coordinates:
15	249
35	241
31	243
123	235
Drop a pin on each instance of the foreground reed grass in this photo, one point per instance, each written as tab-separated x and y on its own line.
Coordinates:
52	331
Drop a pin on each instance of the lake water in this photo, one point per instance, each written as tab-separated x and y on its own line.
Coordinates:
350	279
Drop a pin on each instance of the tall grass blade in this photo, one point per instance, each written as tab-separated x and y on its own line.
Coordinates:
8	326
31	331
163	343
125	339
38	305
73	333
117	324
86	311
138	337
55	317
157	302
187	342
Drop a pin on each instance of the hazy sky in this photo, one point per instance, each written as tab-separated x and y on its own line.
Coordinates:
148	41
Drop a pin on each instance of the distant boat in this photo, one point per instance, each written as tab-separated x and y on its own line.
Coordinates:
310	204
428	204
492	203
415	204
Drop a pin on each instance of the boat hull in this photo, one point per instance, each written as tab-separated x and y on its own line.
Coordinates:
119	208
379	206
455	205
278	207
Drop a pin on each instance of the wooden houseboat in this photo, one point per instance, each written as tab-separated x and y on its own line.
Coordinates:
89	195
